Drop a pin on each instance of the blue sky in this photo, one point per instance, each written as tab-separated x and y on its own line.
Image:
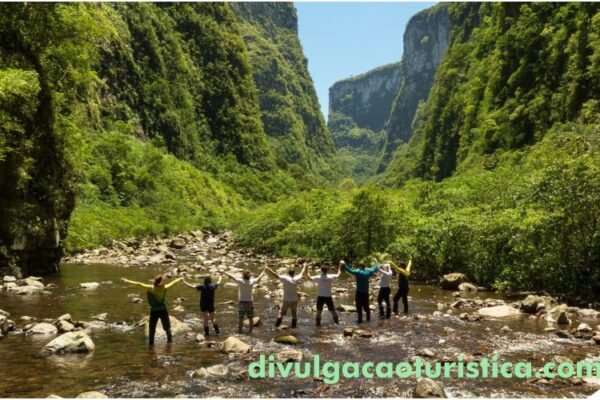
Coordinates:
346	39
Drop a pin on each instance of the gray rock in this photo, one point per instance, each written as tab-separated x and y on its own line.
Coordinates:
234	345
9	278
255	322
467	287
200	373
499	311
43	328
453	280
177	328
289	355
583	328
64	326
218	370
287	339
34	282
558	315
89	285
177	243
71	342
426	353
532	303
91	395
427	388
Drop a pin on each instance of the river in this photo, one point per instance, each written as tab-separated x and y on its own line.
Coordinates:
123	366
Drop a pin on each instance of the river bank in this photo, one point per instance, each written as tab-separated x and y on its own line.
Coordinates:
441	325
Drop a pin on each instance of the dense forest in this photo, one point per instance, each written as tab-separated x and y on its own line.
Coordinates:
121	120
501	177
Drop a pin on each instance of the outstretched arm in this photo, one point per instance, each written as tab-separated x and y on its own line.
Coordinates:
301	274
189	284
306	274
339	272
232	277
220	279
271	272
410	263
138	284
399	270
375	267
260	276
346	268
168	285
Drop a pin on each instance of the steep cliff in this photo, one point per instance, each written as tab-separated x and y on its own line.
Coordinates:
289	106
146	119
512	72
367	98
425	43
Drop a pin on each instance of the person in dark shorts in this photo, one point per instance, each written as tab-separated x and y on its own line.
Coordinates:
361	298
385	291
246	301
207	301
402	293
324	295
156	294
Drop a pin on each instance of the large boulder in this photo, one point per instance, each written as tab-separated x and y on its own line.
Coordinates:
499	311
289	355
467	287
427	388
34	282
286	339
178	243
92	395
71	342
532	303
558	315
218	370
453	280
234	345
43	328
178	328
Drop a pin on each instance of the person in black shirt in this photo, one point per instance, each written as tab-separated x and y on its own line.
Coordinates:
207	301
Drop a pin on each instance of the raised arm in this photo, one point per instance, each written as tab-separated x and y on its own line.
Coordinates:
399	270
232	277
138	284
189	284
168	285
301	274
220	279
261	275
410	263
375	267
306	274
346	268
339	272
271	272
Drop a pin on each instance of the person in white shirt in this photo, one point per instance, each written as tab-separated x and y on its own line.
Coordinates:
290	294
246	305
324	295
385	291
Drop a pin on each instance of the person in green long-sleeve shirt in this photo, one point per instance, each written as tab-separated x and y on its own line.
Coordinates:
158	308
362	275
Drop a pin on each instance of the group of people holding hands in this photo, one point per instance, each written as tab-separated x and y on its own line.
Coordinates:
156	294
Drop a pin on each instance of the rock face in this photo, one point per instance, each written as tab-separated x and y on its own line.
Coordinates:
427	388
280	72
452	281
425	43
367	98
71	342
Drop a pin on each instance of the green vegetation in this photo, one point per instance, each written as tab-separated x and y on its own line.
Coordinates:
358	149
289	107
511	73
531	224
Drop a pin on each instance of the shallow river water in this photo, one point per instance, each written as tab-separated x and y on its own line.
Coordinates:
123	366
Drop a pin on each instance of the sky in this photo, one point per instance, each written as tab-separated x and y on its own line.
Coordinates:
342	40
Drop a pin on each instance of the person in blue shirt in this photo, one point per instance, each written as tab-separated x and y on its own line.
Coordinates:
362	275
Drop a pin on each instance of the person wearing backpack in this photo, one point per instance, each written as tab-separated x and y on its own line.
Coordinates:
156	294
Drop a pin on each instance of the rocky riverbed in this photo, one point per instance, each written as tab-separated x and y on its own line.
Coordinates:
84	330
